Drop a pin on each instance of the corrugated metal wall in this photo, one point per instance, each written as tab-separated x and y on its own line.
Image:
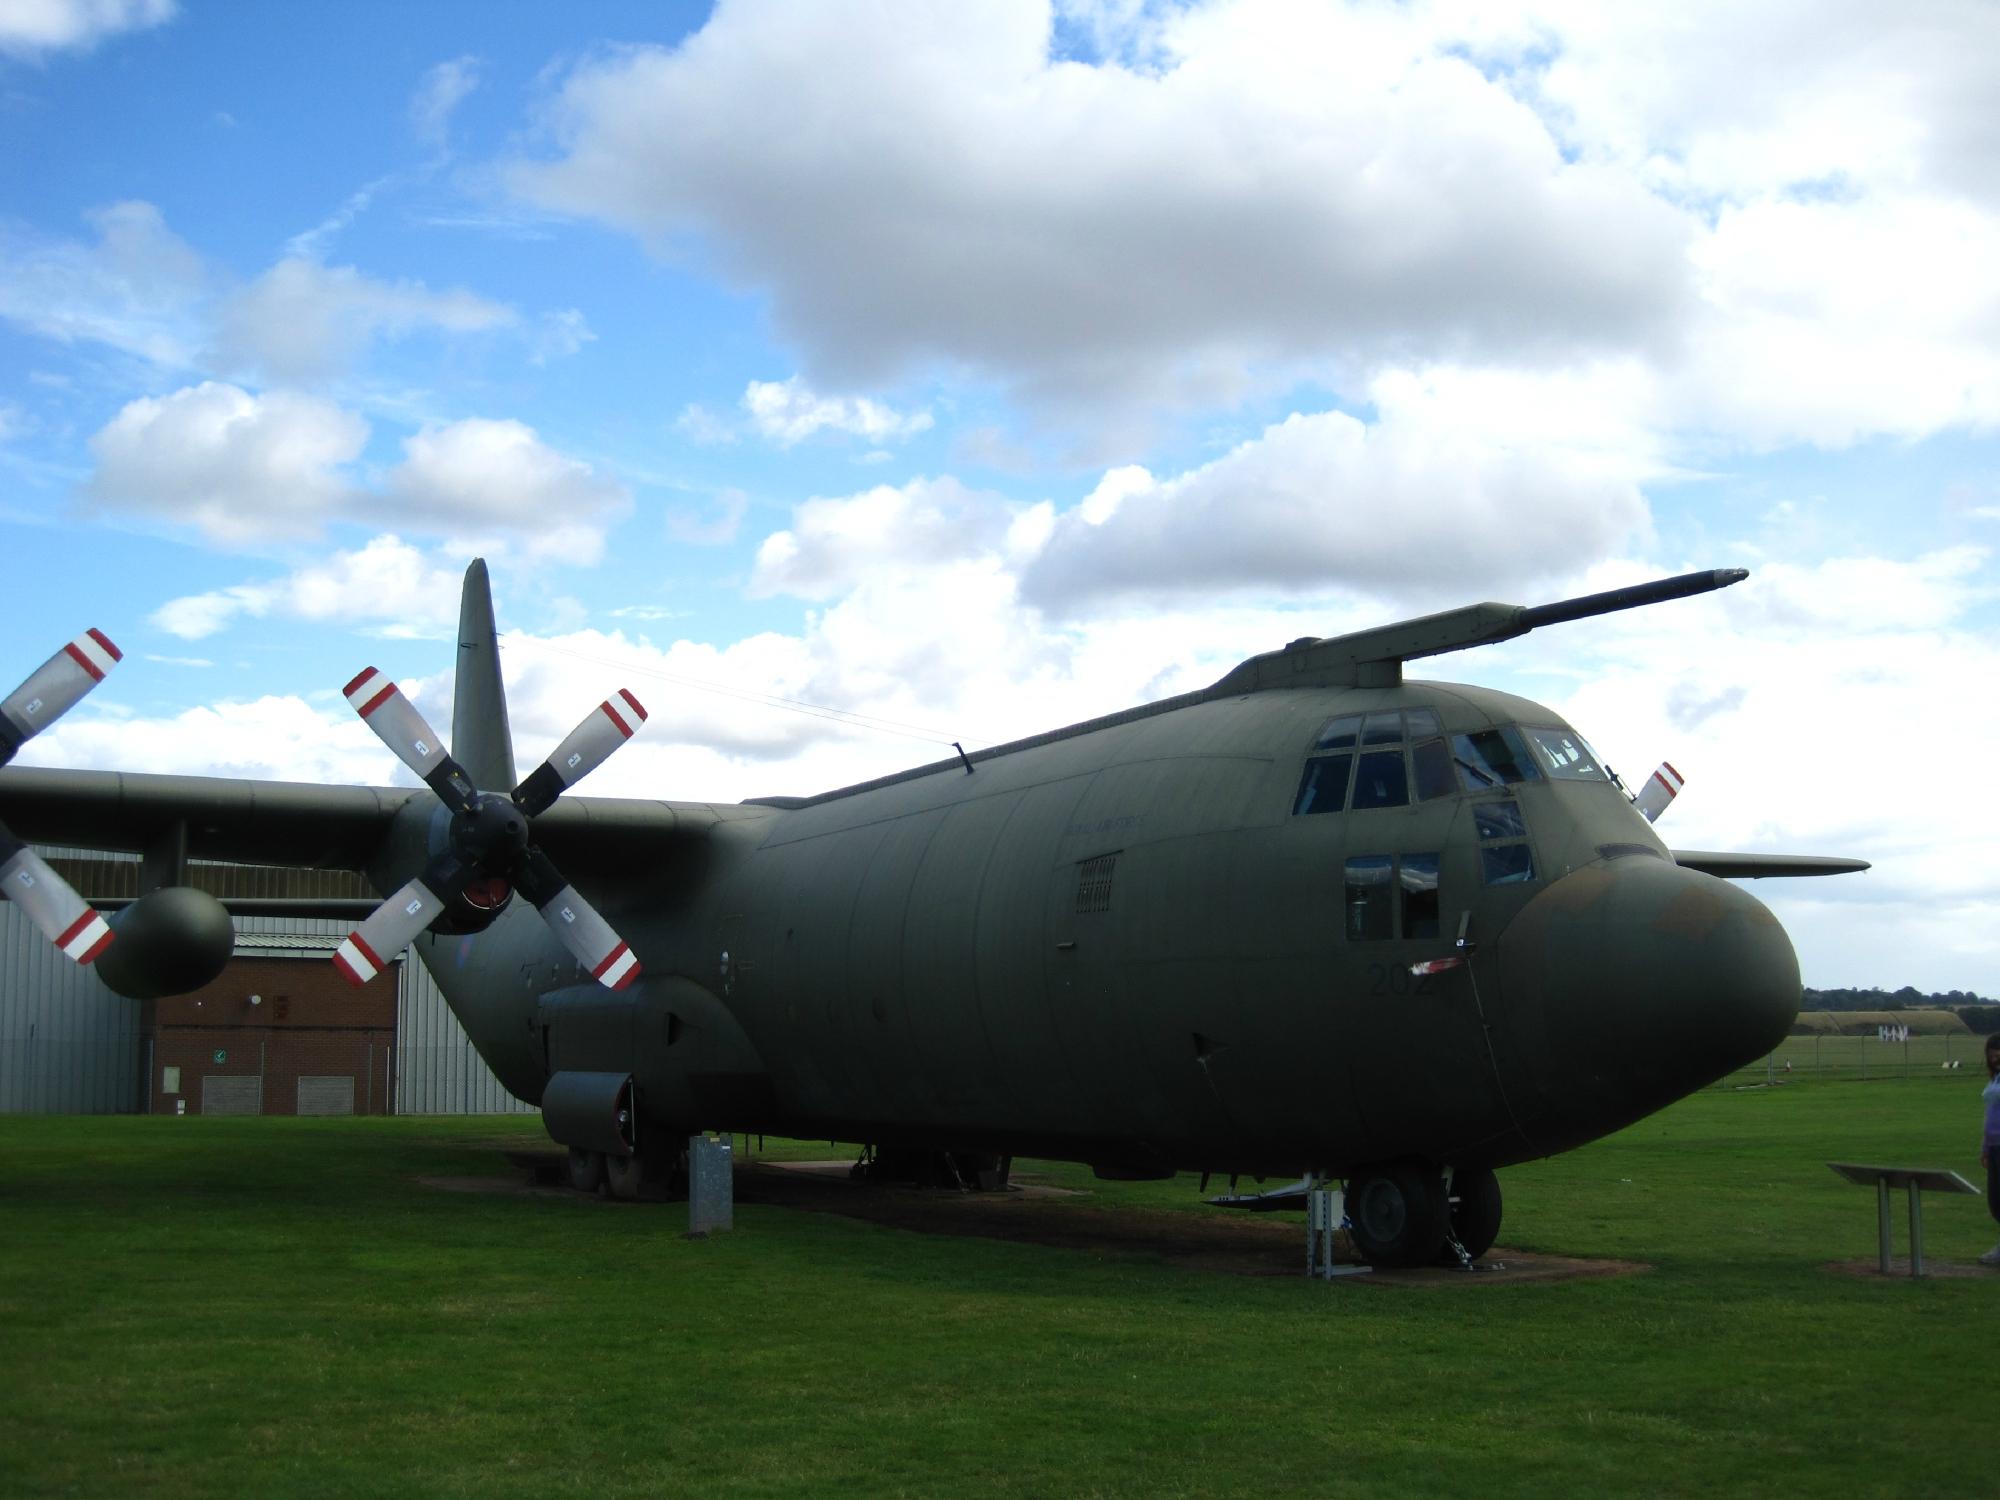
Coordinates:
68	1045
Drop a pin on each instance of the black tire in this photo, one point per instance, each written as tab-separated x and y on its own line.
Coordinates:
625	1176
586	1169
1474	1213
1397	1214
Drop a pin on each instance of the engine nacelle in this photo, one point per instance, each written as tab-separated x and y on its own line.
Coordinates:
591	1111
167	943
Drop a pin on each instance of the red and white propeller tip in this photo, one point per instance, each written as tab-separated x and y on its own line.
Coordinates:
590	938
389	929
47	901
55	687
51	691
587	747
1659	792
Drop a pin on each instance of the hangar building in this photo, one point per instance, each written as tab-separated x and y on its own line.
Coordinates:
279	1032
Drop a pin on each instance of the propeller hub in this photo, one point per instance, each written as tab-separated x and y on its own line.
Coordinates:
491	834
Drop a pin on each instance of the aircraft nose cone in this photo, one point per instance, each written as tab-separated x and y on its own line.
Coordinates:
1632	983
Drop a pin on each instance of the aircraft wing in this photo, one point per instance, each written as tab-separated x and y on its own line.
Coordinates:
1759	866
310	826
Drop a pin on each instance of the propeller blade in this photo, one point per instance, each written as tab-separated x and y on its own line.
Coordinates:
589	745
54	688
390	928
47	900
396	722
1659	792
576	922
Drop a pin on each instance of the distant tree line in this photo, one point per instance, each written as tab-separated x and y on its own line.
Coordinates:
1977	1011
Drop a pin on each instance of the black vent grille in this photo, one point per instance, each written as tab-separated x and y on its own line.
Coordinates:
1093	883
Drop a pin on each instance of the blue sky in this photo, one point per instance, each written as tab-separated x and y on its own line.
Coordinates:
971	369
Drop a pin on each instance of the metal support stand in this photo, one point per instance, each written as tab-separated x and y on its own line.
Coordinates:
1326	1211
1915	1179
1916	1229
711	1184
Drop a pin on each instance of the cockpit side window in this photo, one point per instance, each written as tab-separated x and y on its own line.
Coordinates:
1565	755
1493	757
1370	913
1392	896
1504	855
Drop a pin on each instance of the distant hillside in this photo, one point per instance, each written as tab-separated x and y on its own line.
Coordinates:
1866	1022
1979	1012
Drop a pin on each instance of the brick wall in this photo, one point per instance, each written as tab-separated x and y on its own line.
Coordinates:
307	1022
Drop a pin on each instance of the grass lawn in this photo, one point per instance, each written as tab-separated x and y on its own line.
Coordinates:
193	1306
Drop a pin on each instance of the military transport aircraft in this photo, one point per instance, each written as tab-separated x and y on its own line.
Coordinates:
1313	919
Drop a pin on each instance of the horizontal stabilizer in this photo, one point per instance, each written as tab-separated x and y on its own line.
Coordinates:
1760	866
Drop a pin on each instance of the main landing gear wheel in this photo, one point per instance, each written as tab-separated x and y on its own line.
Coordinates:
1398	1215
1475	1213
586	1169
625	1175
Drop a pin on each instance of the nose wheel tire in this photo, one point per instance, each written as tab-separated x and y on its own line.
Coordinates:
585	1169
1398	1215
1474	1212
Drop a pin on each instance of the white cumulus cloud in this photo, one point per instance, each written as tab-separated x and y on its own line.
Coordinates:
387	580
911	184
302	321
471	478
237	466
138	289
786	412
32	27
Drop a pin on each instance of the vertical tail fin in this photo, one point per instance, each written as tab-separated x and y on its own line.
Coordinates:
481	740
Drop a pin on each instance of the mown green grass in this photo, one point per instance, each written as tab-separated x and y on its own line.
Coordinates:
276	1306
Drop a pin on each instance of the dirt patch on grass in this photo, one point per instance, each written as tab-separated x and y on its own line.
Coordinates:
1035	1213
1239	1244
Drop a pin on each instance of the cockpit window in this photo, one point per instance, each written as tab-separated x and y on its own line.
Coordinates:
1432	763
1407	761
1507	864
1504	856
1500	819
1323	789
1339	734
1384	728
1564	755
1380	781
1493	757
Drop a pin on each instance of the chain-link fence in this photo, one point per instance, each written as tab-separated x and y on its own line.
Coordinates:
1957	1053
